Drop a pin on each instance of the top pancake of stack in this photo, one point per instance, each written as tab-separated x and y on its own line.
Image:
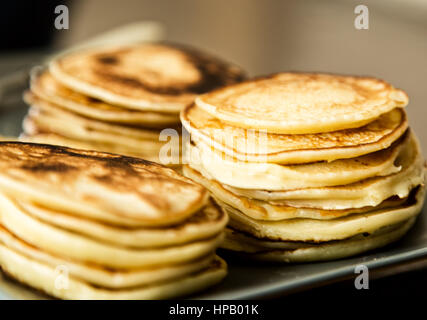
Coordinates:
149	77
305	118
111	188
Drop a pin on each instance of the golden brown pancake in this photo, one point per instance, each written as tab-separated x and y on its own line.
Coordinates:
278	251
267	210
297	103
80	247
51	120
207	222
100	275
316	230
273	176
32	135
44	277
367	192
258	146
153	77
49	123
44	86
107	187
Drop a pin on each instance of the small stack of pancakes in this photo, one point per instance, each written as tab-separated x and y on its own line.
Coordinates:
308	166
119	99
89	225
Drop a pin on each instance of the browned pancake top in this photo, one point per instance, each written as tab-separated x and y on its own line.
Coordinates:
150	72
240	141
297	103
123	186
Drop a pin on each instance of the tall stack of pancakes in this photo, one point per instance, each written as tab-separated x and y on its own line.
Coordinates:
119	99
89	225
308	166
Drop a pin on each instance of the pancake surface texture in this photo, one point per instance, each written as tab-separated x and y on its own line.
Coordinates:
327	230
67	125
34	136
206	223
265	251
97	184
43	276
296	103
44	86
82	248
115	227
308	166
145	77
260	146
267	210
100	275
271	176
367	192
122	99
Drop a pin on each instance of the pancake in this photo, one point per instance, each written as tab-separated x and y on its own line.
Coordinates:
327	230
82	248
369	192
263	210
46	124
250	243
153	77
300	103
44	278
51	122
271	176
44	86
97	185
332	250
43	108
260	146
206	223
102	276
33	136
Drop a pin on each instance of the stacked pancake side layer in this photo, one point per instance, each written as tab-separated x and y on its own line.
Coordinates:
308	166
116	227
119	99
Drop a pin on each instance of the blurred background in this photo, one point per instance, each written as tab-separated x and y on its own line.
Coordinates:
263	36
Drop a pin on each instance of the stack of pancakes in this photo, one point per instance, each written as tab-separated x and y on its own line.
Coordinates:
308	166
119	99
89	225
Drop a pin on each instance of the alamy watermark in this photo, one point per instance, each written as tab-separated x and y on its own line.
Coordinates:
218	144
361	22
62	18
362	280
